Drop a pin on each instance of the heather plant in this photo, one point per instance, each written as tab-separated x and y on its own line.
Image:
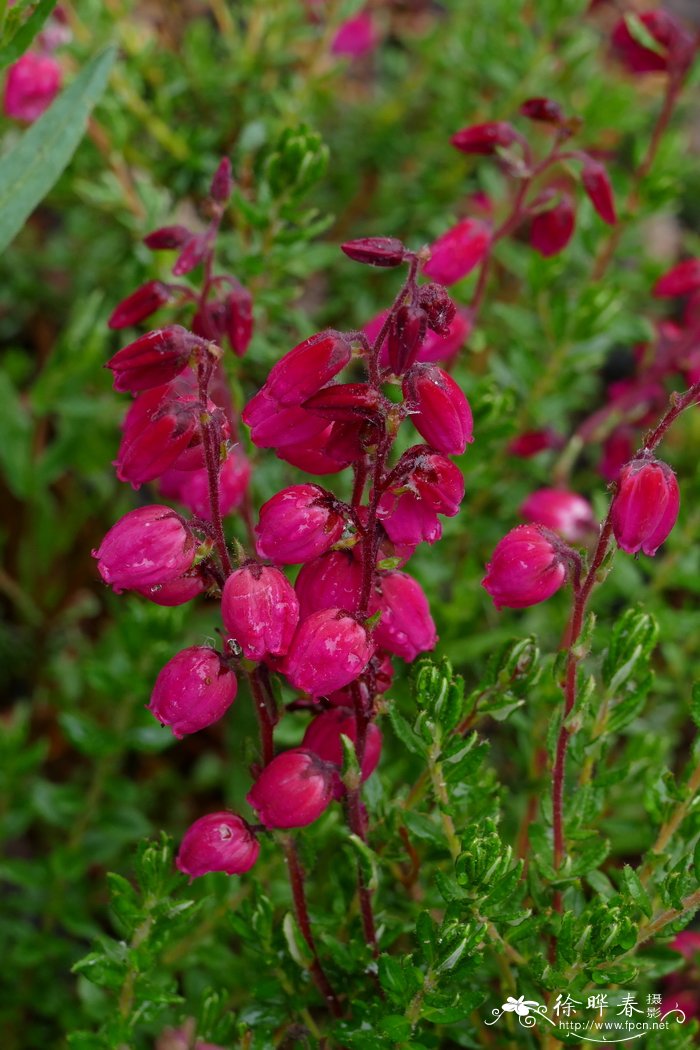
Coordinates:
372	722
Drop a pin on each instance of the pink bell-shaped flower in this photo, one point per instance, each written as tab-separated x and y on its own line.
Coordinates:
260	610
563	512
439	410
333	581
645	506
32	84
218	842
329	650
405	626
458	251
526	568
298	524
308	367
154	359
148	547
293	790
193	690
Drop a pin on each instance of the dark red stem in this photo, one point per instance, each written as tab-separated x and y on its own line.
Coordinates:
211	459
296	881
266	717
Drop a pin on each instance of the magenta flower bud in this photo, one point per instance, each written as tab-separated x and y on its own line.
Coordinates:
676	44
681	279
140	305
552	229
308	367
193	690
485	138
31	86
239	320
217	842
154	359
435	479
458	251
533	442
148	546
192	254
408	520
596	183
526	568
406	334
405	627
345	402
329	650
293	790
222	183
439	308
356	36
333	449
545	110
375	251
154	441
566	513
260	610
333	581
272	426
298	524
166	238
439	410
645	506
175	592
322	736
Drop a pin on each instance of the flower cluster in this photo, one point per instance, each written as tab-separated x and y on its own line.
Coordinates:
335	402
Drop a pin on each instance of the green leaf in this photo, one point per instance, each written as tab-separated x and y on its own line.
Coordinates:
298	948
29	171
695	704
641	35
636	890
411	741
23	37
367	859
393	979
633	638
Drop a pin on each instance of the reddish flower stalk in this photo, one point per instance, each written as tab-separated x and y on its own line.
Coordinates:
674	86
212	460
296	881
582	593
517	215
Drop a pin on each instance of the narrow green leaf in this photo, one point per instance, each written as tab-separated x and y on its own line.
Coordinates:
29	171
695	704
23	37
635	889
411	741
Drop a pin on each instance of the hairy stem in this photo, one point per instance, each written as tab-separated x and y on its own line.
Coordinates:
266	719
211	459
296	881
